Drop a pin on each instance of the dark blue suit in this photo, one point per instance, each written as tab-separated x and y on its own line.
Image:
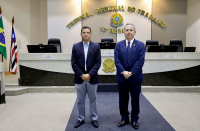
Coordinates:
132	62
93	62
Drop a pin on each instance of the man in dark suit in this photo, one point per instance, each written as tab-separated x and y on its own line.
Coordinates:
129	60
86	61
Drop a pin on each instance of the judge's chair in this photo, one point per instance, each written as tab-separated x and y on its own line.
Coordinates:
107	43
151	43
176	42
55	41
107	40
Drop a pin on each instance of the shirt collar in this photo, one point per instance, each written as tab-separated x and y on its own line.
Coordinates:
130	41
86	43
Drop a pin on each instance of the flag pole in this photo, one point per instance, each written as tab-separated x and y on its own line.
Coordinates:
1	16
0	10
13	21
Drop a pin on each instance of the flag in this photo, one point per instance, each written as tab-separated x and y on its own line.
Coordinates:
2	39
13	52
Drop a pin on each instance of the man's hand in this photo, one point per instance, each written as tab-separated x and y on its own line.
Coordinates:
127	74
130	74
86	77
83	76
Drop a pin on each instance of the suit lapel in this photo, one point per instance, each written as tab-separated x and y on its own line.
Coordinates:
90	49
132	48
81	49
124	47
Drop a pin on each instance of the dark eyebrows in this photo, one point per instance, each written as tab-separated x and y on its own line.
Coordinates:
129	29
86	32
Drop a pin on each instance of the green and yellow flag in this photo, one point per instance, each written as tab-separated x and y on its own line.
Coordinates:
2	39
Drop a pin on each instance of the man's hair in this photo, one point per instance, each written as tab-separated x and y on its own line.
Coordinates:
130	24
86	27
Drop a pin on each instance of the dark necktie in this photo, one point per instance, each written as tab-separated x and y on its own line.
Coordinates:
128	48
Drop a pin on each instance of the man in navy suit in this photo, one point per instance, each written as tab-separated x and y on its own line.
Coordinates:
129	60
86	61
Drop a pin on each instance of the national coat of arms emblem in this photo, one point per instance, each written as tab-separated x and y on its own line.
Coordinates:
116	20
109	65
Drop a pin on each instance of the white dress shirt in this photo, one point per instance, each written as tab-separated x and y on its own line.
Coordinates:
131	42
85	47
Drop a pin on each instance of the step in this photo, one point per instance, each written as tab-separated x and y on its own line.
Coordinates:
13	91
186	89
16	90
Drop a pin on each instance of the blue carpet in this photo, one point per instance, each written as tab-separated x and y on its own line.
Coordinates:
109	117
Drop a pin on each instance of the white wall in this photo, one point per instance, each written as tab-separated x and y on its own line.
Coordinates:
142	24
30	23
61	13
174	14
43	22
38	19
99	20
20	9
193	24
35	21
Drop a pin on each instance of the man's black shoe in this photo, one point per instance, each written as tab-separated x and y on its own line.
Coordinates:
78	123
135	125
123	123
95	123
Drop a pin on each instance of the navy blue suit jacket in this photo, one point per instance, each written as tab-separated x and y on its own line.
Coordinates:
93	62
135	60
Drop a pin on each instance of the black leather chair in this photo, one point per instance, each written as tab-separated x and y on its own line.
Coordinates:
177	42
107	43
152	42
106	40
55	41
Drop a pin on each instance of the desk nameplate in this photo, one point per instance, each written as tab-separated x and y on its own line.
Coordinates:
109	53
171	56
47	56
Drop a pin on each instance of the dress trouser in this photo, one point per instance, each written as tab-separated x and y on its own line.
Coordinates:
82	90
135	90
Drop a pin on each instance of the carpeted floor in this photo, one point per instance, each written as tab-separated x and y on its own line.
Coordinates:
109	117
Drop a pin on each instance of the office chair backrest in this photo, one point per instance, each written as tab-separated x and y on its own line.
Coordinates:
107	39
152	42
55	41
177	42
